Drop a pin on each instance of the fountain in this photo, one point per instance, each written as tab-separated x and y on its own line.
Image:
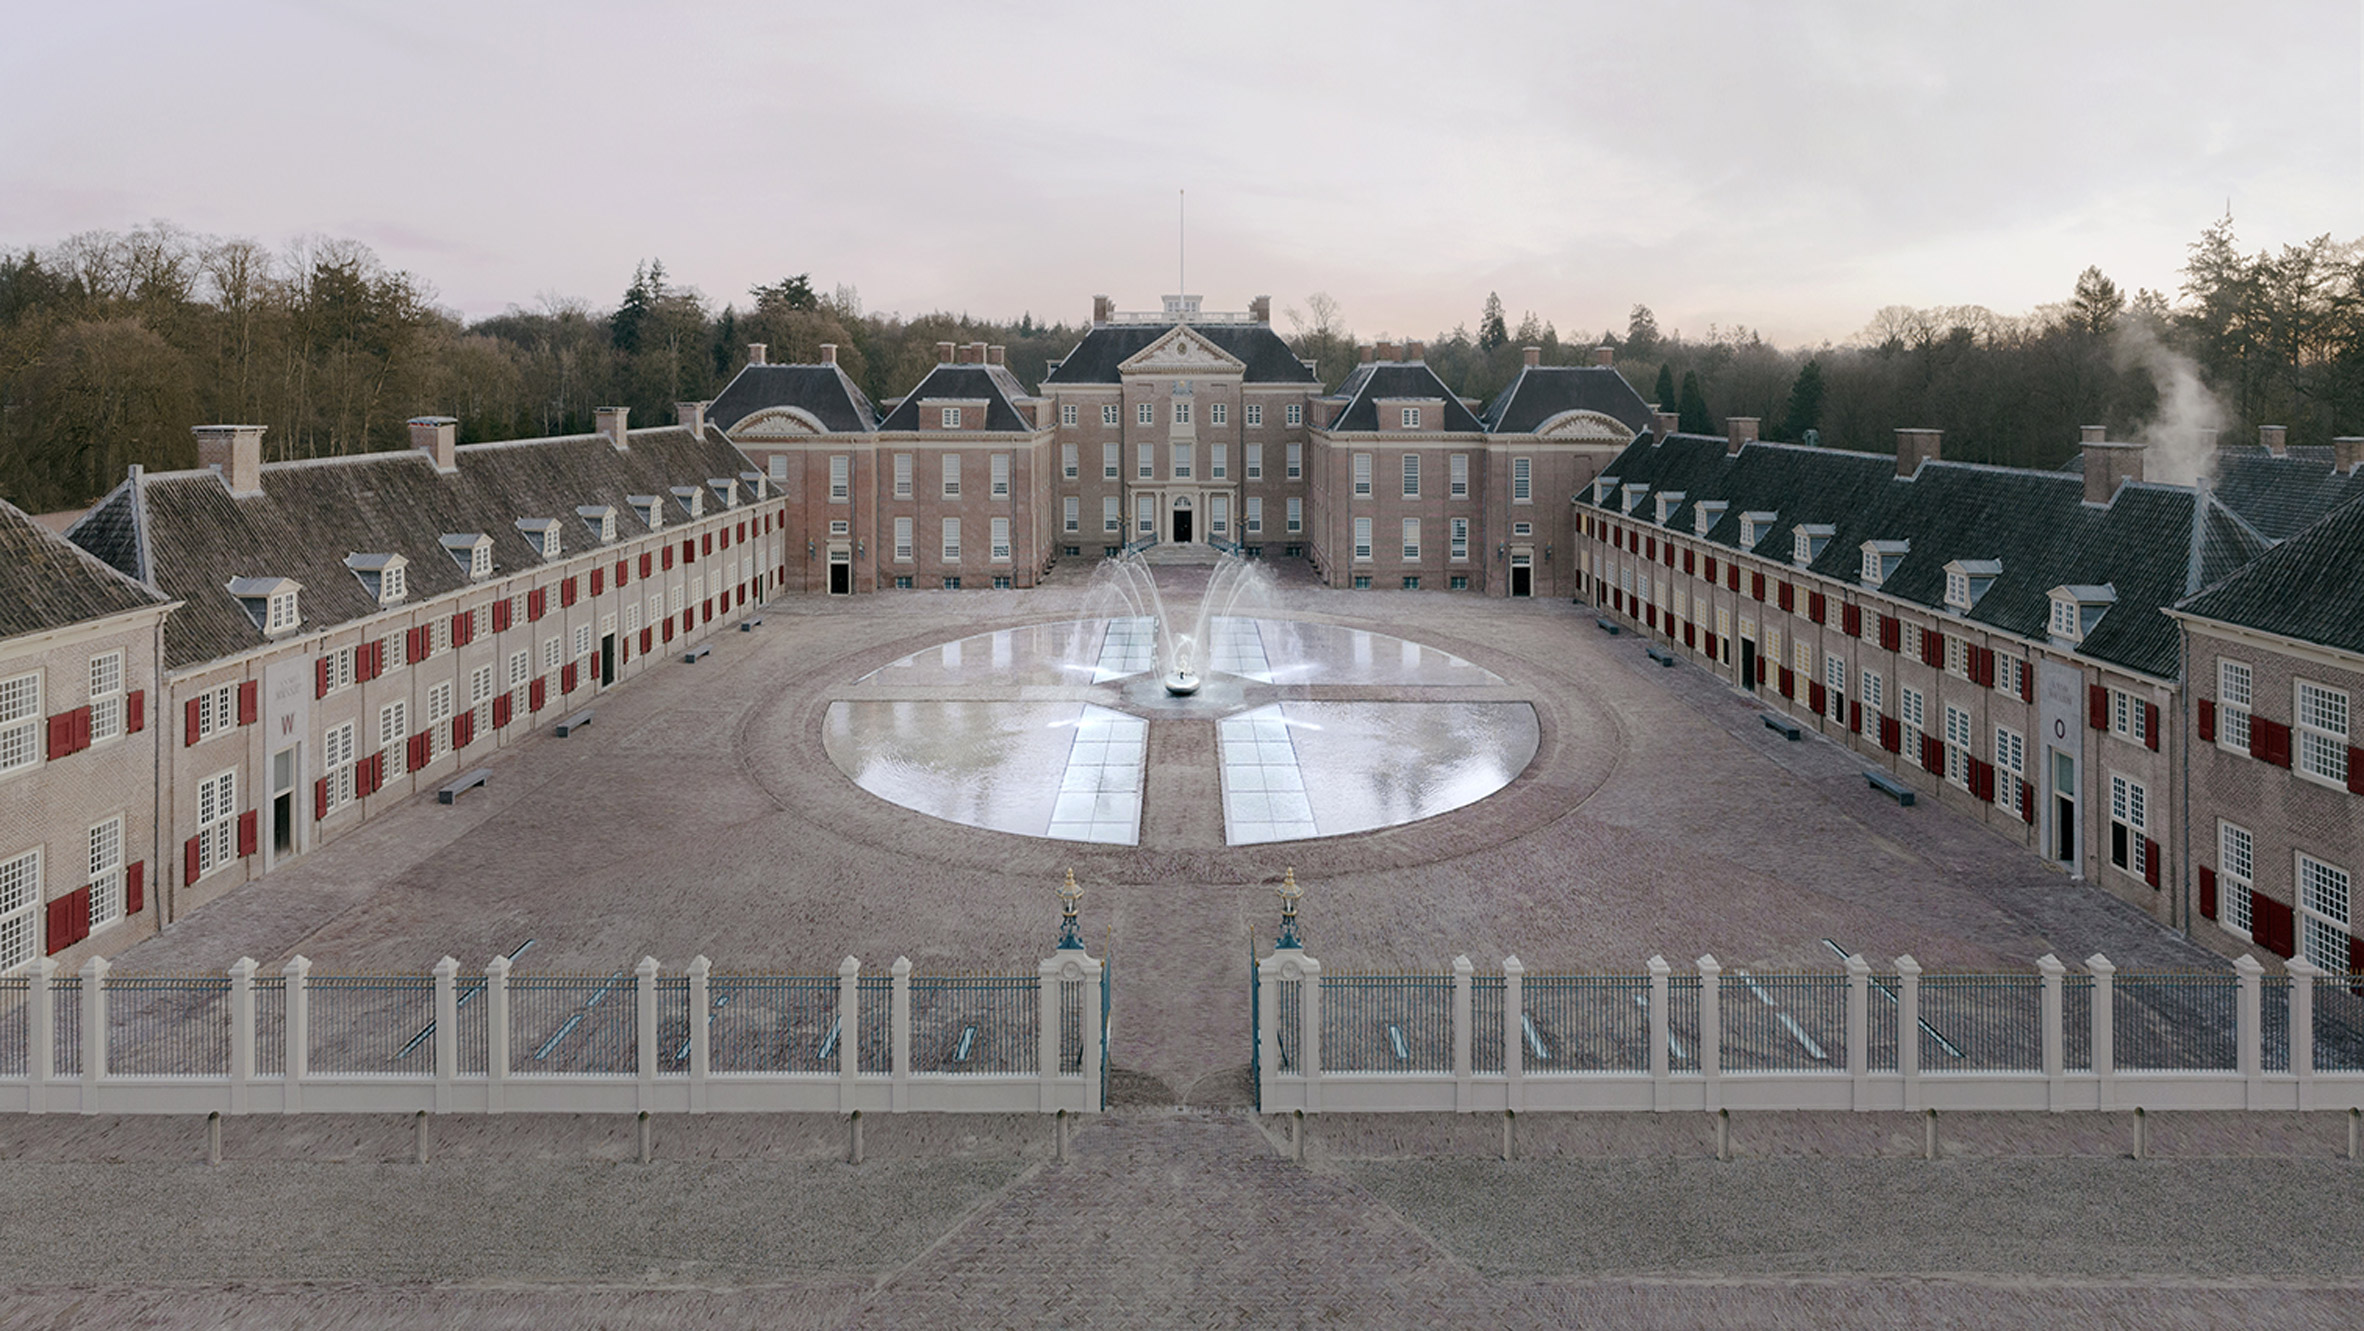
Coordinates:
1131	580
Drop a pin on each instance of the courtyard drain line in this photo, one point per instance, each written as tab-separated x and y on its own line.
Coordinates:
473	991
1888	992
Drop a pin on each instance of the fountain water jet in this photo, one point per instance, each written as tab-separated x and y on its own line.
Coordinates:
1180	645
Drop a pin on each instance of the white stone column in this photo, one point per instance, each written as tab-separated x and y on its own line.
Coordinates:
2105	1030
2302	1028
1661	1093
94	1030
899	1035
2251	1026
1046	1034
1711	1031
1268	983
1464	980
1514	1048
1859	1029
296	1029
496	1033
645	1052
701	1031
1908	1028
241	1032
849	1030
2050	1006
1309	1019
1095	975
447	1031
40	1033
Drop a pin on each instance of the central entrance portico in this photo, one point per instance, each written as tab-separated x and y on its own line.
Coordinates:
1183	518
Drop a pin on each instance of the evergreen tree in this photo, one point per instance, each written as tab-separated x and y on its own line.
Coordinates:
726	341
624	326
1641	337
1492	331
1805	403
1665	390
1695	419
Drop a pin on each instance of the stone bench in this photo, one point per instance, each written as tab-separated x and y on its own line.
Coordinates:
691	656
574	723
1659	654
748	624
1782	726
1608	624
450	790
1889	786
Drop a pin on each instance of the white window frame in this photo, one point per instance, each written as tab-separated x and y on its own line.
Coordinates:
1411	418
1218	461
1182	411
1957	745
1293	460
2235	696
950	469
1522	480
1912	709
1181	461
1144	462
1294	414
999	471
950	544
1362	475
106	873
903	540
1411	475
217	821
2128	717
20	910
20	722
106	695
1457	476
1070	459
950	418
1071	513
1411	540
1067	413
1219	515
337	757
1459	549
902	475
393	729
583	633
521	666
1145	413
2236	878
2129	808
1109	414
217	710
1255	413
1112	513
1255	462
2326	904
1362	540
2319	720
1218	413
998	548
1296	515
1255	515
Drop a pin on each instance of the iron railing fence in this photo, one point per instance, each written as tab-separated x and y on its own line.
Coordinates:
1486	994
2273	1016
65	1000
574	1023
1584	1023
168	1025
874	1009
2339	1023
673	1025
2175	1023
365	1025
975	1023
1288	1028
772	1023
1982	1023
15	1013
1073	994
270	1026
1682	1023
474	1014
1790	1022
1883	1008
1387	1023
2076	1023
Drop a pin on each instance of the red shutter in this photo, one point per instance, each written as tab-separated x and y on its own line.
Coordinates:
1855	717
1891	735
2207	724
500	615
1933	649
1690	632
647	564
689	551
665	556
2207	893
377	772
2027	802
500	711
1789	682
320	670
566	591
2097	707
61	735
135	712
1651	554
1789	597
2355	770
1690	562
708	616
250	697
1982	780
1818	608
598	581
2150	861
566	678
1891	634
1756	585
2269	741
668	628
538	693
189	722
1707	643
189	860
422	749
415	643
648	641
135	887
61	924
623	573
2150	725
1708	569
2027	680
319	799
742	529
463	730
1650	614
2271	924
246	833
1731	577
1817	698
461	623
1851	620
708	543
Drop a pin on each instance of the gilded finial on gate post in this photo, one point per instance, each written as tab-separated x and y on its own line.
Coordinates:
1289	894
1070	935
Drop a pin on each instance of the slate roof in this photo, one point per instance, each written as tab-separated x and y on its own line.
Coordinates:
822	390
47	582
1096	358
2310	587
189	537
1544	391
1373	380
994	383
2283	496
2035	522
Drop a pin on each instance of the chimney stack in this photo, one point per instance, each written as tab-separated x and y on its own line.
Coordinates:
437	437
1103	310
1415	351
1914	447
756	352
1739	432
1604	355
612	426
1260	309
2092	434
1385	351
993	355
1531	356
1667	422
976	353
2275	438
1368	352
944	353
692	416
2346	452
2109	465
236	451
829	353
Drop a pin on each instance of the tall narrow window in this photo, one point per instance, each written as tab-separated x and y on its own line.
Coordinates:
1219	461
1067	413
1411	540
336	762
1255	462
20	722
1072	511
217	821
1145	515
1459	478
902	475
1144	461
1255	514
2322	748
1362	474
999	464
1411	475
2236	876
841	473
106	694
1112	517
1219	515
2130	822
1182	461
1112	460
1362	538
1296	514
106	873
1000	552
2232	705
1957	746
1069	461
952	475
952	540
2323	909
1460	547
902	540
1295	414
20	909
1296	459
1522	480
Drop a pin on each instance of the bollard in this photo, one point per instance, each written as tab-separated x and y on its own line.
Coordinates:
2355	1134
1297	1137
1510	1134
647	1143
1928	1134
854	1138
422	1142
213	1137
1062	1137
1723	1134
2142	1133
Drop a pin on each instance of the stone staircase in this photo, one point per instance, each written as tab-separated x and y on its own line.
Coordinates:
1180	552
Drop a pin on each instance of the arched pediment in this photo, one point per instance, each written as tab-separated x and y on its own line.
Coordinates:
777	423
1585	427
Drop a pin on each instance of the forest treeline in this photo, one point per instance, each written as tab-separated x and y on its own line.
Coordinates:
112	344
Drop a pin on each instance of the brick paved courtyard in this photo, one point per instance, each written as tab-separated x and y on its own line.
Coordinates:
698	814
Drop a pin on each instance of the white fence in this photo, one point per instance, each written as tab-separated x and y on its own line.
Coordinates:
696	1042
1852	1039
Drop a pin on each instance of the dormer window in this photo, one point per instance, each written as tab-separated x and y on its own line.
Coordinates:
1668	502
1706	514
1880	559
2076	609
270	602
543	532
651	509
1807	540
1633	497
384	577
601	519
473	552
1967	579
1755	527
753	480
692	499
725	489
1602	489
